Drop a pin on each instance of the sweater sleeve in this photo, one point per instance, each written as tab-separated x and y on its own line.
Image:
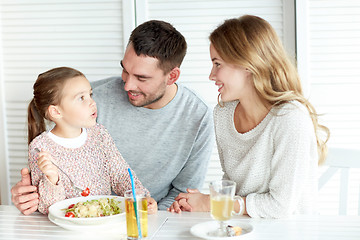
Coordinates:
294	151
193	173
220	150
49	193
118	167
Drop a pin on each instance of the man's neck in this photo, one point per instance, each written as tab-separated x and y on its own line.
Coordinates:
169	95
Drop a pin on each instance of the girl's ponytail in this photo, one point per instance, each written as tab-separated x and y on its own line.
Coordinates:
36	123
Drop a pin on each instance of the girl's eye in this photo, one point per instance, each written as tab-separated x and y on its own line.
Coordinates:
216	64
82	98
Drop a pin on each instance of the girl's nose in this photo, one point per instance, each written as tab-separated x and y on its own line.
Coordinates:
92	103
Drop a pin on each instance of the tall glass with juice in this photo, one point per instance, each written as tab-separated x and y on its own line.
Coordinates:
222	196
131	223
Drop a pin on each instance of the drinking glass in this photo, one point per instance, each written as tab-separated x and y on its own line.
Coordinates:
222	196
131	223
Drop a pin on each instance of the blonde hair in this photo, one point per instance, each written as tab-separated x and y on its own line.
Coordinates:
251	42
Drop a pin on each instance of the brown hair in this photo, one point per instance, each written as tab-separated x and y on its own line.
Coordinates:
47	91
160	40
251	42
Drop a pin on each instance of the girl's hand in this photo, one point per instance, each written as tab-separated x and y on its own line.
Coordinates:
152	205
46	166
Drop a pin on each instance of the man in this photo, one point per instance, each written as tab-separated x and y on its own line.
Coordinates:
163	130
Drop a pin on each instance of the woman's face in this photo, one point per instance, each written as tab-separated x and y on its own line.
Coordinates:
234	82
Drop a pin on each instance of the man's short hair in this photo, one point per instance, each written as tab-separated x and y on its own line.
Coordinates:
160	40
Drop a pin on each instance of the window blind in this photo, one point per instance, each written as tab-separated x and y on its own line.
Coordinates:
334	31
334	79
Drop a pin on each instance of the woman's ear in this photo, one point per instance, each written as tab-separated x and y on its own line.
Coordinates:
54	112
173	75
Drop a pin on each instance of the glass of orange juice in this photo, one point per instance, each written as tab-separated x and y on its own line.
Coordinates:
131	223
222	197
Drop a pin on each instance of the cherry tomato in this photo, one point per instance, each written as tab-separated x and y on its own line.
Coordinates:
86	192
71	206
70	214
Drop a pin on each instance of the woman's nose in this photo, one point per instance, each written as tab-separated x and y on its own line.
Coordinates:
212	76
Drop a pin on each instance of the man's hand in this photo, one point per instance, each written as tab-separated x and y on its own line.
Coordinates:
24	195
192	201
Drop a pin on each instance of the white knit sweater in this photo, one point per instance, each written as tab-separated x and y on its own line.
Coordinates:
274	165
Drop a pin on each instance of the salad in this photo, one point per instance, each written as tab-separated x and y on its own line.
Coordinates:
94	208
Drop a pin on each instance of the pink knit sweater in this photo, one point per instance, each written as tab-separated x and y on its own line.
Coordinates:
97	165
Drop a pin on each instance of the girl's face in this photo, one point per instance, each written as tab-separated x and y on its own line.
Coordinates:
234	82
77	108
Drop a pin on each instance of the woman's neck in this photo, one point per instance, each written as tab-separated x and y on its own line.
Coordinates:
249	113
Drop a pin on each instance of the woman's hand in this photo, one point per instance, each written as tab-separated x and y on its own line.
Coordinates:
46	166
152	205
192	201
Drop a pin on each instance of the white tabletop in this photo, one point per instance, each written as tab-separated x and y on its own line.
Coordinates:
165	225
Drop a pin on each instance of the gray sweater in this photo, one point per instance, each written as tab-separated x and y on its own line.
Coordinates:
168	148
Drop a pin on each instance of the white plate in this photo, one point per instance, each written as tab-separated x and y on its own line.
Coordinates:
118	225
57	212
202	230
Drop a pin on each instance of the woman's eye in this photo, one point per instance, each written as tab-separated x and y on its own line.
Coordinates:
82	98
217	64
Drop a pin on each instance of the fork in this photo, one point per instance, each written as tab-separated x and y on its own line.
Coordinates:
72	183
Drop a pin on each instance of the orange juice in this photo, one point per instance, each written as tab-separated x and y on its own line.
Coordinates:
131	224
221	207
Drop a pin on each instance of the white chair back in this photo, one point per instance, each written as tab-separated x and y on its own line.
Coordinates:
341	159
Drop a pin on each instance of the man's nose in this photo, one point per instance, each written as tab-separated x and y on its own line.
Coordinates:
130	84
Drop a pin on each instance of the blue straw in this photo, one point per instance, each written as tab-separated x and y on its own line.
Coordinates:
135	205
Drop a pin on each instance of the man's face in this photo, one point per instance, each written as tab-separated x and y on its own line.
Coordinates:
145	82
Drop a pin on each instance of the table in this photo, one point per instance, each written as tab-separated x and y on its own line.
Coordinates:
165	225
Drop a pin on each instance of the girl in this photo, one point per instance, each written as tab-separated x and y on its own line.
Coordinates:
267	132
79	146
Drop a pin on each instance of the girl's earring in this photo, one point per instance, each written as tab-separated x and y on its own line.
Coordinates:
221	104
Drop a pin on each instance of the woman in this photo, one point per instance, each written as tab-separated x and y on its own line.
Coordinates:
267	133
